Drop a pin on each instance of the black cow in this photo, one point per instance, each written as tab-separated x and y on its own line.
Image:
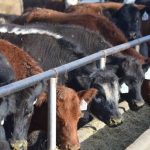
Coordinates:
128	19
17	105
7	105
130	72
52	51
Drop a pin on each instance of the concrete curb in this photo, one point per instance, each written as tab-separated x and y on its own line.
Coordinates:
141	143
92	127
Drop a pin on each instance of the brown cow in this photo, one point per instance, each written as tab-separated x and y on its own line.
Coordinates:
68	114
99	24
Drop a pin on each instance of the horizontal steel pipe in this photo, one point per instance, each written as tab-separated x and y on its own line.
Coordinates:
22	84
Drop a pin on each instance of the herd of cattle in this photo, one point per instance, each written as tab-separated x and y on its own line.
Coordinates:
41	39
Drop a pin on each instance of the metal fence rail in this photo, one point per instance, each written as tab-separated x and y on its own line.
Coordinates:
22	84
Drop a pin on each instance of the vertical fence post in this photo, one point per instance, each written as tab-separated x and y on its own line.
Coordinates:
102	63
52	114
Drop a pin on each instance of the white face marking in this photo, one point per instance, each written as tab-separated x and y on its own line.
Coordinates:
111	93
34	102
102	63
147	74
2	122
21	30
129	1
124	88
70	2
145	16
83	105
137	48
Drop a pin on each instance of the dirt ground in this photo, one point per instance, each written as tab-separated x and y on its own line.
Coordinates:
119	138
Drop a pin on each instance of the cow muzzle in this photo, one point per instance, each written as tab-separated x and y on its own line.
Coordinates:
113	122
137	104
71	147
19	145
132	35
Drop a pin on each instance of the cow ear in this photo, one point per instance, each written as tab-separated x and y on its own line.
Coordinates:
87	95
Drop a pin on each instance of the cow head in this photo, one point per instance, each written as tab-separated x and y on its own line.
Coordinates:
128	19
21	119
68	114
105	105
7	103
131	74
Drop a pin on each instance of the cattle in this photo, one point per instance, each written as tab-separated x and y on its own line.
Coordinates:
99	24
54	51
126	16
19	105
128	19
95	43
7	75
67	99
133	79
68	114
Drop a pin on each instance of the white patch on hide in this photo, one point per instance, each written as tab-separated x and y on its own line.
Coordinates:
2	122
22	31
124	88
147	74
83	105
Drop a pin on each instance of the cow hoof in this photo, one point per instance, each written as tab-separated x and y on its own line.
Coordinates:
19	145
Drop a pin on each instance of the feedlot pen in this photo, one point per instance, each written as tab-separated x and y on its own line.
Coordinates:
106	138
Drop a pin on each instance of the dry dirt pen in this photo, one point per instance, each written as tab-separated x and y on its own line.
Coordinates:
118	138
